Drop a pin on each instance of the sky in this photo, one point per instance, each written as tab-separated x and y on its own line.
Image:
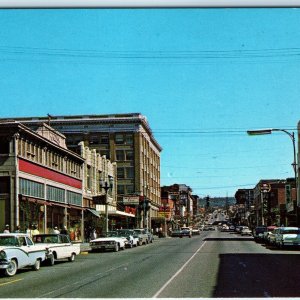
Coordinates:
201	76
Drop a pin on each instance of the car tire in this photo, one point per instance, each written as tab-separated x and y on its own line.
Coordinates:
71	258
12	268
37	265
117	247
51	260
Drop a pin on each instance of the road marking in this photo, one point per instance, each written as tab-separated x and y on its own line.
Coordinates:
13	281
177	273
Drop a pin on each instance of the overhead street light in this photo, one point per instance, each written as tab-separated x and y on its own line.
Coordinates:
294	164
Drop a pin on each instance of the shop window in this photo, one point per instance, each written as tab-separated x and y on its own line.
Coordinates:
31	188
55	194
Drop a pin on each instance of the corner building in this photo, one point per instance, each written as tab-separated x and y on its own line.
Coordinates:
40	180
125	139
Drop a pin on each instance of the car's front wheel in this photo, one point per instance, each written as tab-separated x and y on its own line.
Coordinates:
71	258
37	265
12	268
51	260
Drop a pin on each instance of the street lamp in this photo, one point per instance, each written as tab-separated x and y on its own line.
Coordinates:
294	164
106	186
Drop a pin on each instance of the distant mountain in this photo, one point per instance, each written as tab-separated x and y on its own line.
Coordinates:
217	201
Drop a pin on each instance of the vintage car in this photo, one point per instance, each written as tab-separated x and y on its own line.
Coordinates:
184	231
109	241
287	236
130	235
246	231
195	231
59	247
150	235
143	237
17	251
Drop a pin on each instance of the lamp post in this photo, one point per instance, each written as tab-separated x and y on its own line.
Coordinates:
294	164
106	186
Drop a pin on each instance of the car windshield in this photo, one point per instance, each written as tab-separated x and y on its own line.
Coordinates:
124	232
9	241
112	234
46	239
291	231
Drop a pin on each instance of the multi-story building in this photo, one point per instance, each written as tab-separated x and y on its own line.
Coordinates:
125	139
40	180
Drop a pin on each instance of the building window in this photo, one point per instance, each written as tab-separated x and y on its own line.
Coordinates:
119	138
129	189
74	198
104	139
120	155
128	139
129	173
120	189
88	177
55	194
129	155
120	173
31	188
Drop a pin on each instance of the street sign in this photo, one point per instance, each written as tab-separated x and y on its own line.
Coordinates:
265	188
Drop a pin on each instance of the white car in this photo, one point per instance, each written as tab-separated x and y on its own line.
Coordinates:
108	242
59	246
17	251
130	235
287	236
246	231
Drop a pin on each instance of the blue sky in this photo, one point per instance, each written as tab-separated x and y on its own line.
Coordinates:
202	77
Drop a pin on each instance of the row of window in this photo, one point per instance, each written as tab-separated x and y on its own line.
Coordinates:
44	156
103	139
36	189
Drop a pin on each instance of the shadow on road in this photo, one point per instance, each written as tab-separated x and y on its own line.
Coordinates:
258	275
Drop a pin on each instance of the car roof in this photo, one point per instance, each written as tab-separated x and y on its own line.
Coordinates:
14	234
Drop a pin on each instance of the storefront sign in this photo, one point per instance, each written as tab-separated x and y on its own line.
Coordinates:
131	200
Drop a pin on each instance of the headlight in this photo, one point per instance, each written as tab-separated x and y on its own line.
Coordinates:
3	255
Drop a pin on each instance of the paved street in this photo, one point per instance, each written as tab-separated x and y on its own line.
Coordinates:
214	264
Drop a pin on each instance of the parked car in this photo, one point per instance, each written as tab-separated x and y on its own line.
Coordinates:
143	237
130	235
18	251
195	231
266	234
272	236
258	233
110	241
150	235
246	231
59	246
287	236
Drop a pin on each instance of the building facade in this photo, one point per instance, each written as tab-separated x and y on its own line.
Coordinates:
40	180
125	139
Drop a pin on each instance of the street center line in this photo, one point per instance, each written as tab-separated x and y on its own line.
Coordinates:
177	273
13	281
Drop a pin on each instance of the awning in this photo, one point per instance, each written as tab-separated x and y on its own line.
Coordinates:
94	212
120	213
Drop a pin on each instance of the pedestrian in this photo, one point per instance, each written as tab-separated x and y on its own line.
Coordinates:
6	230
34	230
18	229
64	230
55	230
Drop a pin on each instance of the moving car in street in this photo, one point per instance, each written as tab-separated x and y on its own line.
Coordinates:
183	231
18	251
59	247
